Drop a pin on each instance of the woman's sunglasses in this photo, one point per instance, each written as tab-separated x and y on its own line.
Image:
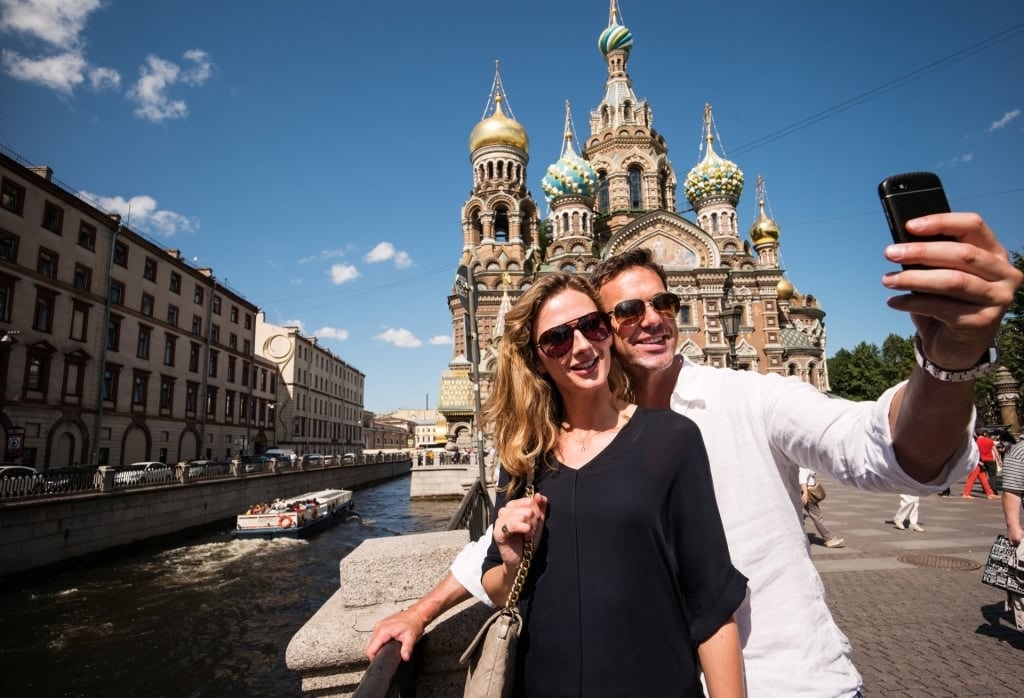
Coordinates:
558	341
632	311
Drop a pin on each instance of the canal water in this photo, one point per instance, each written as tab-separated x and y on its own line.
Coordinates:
210	616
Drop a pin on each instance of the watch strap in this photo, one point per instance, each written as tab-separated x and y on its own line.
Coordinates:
985	365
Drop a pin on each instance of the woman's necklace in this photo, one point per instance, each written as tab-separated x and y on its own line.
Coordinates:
582	443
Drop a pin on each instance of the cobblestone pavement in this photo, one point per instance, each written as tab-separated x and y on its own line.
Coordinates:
919	631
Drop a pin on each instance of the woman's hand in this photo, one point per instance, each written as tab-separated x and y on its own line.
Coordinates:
515	521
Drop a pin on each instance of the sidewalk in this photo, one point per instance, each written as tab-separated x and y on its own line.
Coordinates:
926	629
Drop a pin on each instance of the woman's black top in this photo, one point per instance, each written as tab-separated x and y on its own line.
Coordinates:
632	571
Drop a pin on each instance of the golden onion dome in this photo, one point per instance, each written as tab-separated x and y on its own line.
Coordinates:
498	129
764	230
785	289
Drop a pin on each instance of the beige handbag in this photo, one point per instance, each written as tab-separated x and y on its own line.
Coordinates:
492	653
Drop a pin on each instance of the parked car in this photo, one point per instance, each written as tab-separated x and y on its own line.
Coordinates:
74	478
207	468
312	459
20	480
143	473
255	464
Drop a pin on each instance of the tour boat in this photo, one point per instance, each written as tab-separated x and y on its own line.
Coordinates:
295	517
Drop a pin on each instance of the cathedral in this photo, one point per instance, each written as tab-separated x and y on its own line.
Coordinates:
618	192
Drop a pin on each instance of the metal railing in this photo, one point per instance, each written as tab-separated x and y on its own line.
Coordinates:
474	512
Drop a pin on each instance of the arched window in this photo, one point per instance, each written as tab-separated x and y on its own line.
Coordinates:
604	116
714	222
627	112
501	224
603	203
635	194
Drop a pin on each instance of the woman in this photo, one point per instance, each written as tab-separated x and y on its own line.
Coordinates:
631	583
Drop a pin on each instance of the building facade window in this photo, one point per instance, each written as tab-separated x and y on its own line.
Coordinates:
83	277
47	263
87	236
197	325
234	314
140	386
229	404
166	393
37	373
147	305
117	293
197	297
120	254
211	402
214	356
216	305
74	376
114	333
193	357
215	334
42	318
170	344
175	285
79	321
8	246
231	369
149	269
142	348
191	392
53	217
6	297
245	373
232	341
111	377
246	347
603	199
12	196
248	321
172	315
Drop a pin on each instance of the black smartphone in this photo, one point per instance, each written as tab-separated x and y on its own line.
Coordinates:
912	195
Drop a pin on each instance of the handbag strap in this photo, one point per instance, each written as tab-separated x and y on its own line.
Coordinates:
524	563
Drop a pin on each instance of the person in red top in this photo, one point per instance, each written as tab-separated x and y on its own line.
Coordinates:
989	458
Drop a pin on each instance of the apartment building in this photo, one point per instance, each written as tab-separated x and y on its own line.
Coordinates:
112	348
319	406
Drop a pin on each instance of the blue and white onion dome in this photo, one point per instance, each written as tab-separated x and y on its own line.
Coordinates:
713	177
615	37
570	175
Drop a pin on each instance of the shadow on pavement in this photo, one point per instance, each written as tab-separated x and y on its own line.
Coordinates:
1000	626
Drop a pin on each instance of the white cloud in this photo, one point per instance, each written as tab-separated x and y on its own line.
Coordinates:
157	76
400	337
340	273
1007	118
331	333
323	255
385	251
440	339
141	213
104	78
57	22
958	160
62	72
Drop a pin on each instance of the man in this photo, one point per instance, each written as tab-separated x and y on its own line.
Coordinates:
759	429
1013	490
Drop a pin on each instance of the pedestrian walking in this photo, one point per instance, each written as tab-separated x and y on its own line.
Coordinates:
910	505
988	460
811	493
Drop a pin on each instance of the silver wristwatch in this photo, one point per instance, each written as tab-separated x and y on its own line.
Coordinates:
986	364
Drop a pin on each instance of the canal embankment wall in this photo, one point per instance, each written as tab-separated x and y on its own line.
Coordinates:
49	531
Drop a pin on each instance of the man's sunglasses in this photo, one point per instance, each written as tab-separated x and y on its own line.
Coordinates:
558	341
632	311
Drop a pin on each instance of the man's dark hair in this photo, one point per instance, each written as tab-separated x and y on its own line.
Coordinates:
617	264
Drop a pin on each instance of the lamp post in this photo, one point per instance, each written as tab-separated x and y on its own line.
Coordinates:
730	319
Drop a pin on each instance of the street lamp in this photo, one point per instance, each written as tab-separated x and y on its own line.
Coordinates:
730	319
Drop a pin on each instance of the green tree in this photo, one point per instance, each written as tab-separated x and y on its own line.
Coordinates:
857	374
1010	342
897	358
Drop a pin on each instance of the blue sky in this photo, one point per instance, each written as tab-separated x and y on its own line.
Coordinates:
314	153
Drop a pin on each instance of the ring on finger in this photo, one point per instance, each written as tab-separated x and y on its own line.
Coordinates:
504	529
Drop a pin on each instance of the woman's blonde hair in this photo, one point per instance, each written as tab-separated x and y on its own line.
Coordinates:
524	407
